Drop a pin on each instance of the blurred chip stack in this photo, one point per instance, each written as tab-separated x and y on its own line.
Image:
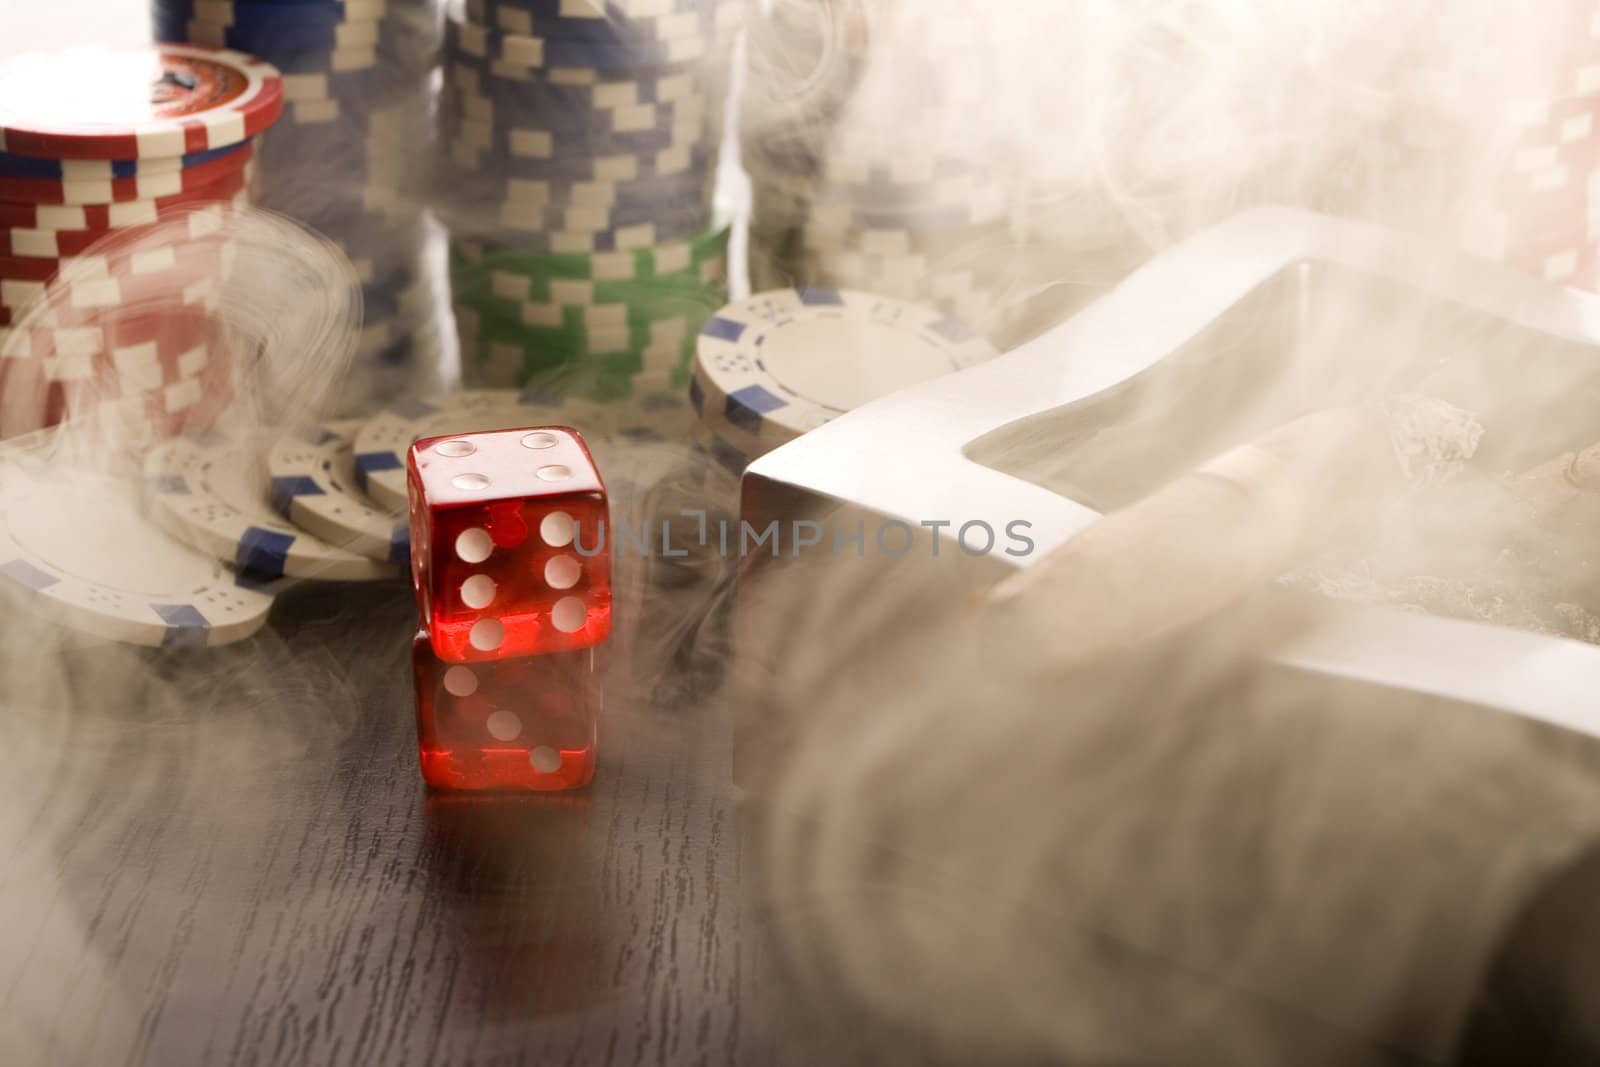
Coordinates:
917	226
347	158
580	147
876	175
1544	215
97	145
803	62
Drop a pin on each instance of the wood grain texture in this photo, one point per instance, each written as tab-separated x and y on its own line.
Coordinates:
233	860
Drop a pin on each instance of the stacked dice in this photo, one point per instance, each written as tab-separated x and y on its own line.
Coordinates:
513	582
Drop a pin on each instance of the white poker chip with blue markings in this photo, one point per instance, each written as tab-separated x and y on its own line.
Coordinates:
382	441
779	364
209	490
75	547
313	484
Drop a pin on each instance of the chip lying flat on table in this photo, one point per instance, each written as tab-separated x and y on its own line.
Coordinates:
773	366
74	545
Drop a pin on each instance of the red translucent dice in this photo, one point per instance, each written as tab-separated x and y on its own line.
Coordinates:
514	724
508	543
513	580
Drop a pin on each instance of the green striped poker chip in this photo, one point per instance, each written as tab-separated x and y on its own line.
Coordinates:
660	351
579	323
664	302
472	284
618	315
672	258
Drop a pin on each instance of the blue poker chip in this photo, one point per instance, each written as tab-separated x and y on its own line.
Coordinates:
402	353
216	10
663	194
609	10
471	81
367	84
252	16
386	304
667	191
383	267
307	45
620	166
353	204
360	229
350	208
569	144
532	234
344	139
389	271
312	61
476	83
779	364
269	39
582	21
478	146
283	163
671	222
515	51
635	199
340	117
368	238
593	206
643	126
16	166
339	192
401	276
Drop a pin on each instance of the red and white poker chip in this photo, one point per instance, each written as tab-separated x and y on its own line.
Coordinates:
204	258
94	102
119	190
130	368
157	282
84	170
169	333
116	216
157	394
25	242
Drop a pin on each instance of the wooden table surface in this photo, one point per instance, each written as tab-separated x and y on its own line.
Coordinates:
239	864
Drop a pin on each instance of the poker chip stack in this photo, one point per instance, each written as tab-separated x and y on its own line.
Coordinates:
803	63
92	313
919	227
580	149
1543	216
347	157
866	188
